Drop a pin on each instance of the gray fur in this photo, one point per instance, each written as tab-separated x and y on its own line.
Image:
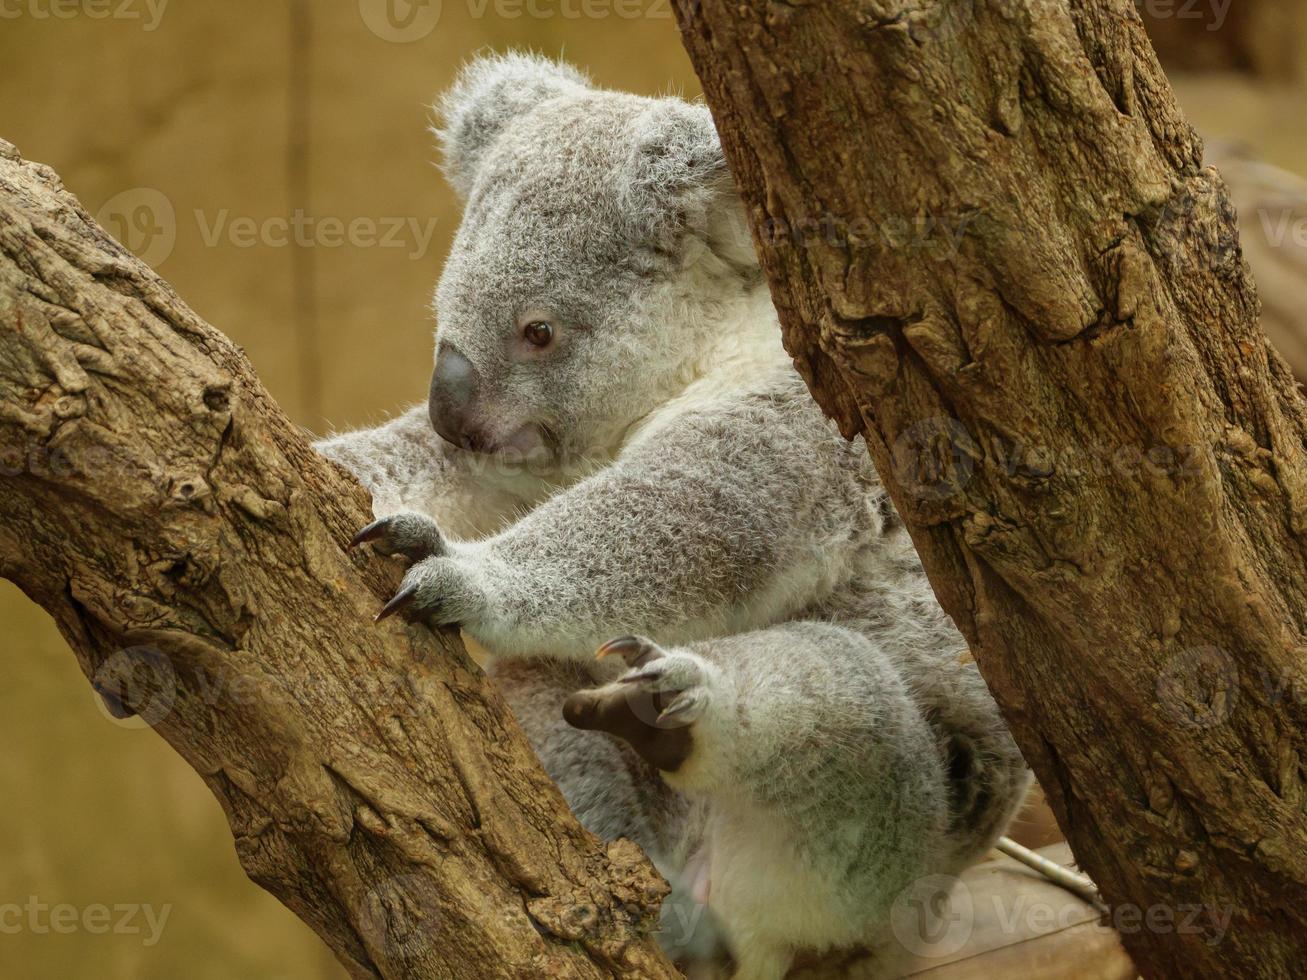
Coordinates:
662	470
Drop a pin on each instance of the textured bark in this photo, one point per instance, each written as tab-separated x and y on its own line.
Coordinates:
191	547
995	254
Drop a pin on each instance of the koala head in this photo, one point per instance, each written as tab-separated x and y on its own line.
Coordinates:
601	251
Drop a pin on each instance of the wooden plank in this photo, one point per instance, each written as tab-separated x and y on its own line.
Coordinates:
1006	920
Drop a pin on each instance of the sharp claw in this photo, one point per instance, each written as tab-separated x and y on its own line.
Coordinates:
402	599
680	704
622	645
635	650
370	533
647	675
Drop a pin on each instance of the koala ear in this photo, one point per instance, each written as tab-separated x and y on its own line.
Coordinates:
676	159
678	183
488	94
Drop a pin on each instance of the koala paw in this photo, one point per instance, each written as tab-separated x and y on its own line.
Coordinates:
656	705
674	684
411	535
438	591
438	588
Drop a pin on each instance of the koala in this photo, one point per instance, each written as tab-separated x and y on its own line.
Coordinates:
617	455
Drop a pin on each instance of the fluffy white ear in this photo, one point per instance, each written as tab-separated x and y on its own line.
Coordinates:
489	93
675	151
678	182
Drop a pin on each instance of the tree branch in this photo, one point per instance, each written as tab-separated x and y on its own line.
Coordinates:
996	255
190	545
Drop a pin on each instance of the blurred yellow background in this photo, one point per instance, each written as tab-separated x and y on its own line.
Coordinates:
197	132
181	134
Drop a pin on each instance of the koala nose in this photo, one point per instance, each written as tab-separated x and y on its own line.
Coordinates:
453	393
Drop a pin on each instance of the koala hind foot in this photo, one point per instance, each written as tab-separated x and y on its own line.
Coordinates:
657	705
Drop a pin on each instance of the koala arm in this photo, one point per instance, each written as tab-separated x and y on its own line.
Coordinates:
394	459
407	467
713	522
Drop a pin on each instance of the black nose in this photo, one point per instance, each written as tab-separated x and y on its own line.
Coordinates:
453	395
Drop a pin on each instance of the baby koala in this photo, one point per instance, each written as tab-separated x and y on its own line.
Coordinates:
616	445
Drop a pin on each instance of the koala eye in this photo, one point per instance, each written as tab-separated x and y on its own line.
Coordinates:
538	333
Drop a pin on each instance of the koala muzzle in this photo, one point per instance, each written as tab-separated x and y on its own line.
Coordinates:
453	394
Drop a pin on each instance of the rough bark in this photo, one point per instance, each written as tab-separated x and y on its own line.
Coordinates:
191	547
995	254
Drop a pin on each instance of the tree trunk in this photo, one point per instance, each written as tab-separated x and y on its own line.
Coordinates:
995	254
191	546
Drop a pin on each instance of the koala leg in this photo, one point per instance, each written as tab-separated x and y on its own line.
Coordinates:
826	794
611	789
